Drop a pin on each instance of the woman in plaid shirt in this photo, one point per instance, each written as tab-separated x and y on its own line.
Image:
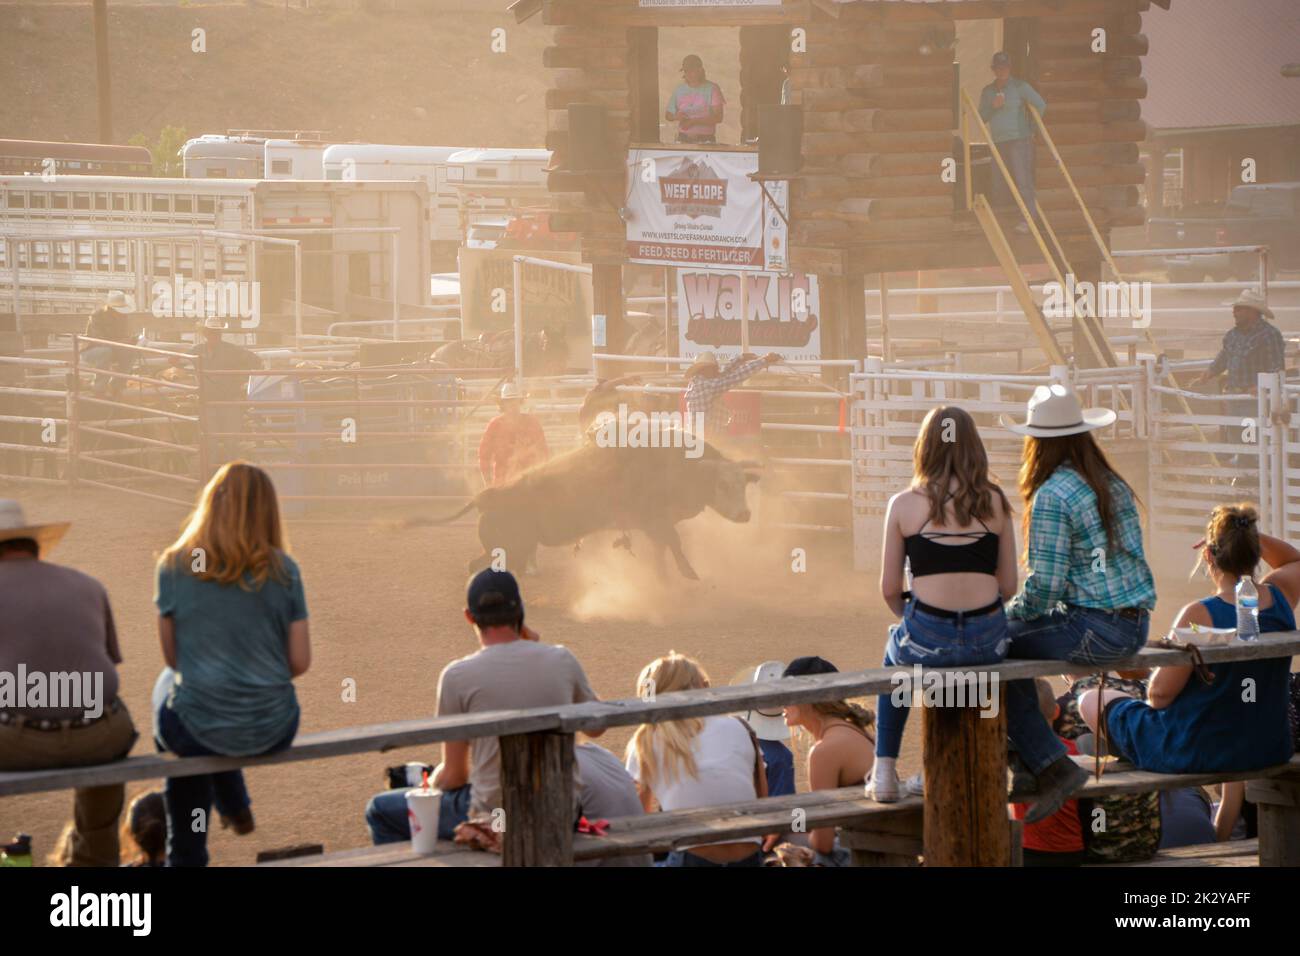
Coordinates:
1089	593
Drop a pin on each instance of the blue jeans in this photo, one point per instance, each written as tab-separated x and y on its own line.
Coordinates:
388	822
839	856
1018	154
183	795
687	858
933	641
1070	633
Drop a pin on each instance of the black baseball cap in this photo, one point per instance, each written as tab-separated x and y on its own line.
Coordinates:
808	666
1001	59
493	597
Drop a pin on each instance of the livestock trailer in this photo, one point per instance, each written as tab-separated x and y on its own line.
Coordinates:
343	273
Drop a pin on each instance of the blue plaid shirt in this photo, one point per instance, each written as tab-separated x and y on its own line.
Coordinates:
1245	354
704	394
1070	560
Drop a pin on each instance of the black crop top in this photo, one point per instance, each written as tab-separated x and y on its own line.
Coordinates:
926	556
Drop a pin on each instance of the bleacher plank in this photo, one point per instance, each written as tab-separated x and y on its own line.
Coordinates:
397	854
1231	853
590	716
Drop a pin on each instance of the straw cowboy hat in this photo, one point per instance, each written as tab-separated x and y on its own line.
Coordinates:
13	526
768	724
1251	299
703	361
510	392
1054	411
117	301
213	322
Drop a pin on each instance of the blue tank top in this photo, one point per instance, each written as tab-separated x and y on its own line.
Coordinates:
1209	727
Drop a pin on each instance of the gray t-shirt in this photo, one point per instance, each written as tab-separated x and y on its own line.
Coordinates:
606	790
511	676
56	621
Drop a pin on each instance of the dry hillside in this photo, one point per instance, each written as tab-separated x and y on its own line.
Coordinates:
421	73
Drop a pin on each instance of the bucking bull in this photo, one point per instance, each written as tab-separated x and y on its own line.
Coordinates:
613	488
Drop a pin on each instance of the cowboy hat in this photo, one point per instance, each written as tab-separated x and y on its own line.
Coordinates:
510	392
768	724
213	323
1054	411
117	300
1251	299
13	526
703	361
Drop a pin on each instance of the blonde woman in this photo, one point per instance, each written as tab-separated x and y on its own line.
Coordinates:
232	619
697	762
842	753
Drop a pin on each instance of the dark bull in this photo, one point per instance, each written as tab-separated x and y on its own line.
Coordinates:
595	489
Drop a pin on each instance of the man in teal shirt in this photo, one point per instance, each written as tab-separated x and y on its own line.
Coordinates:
1002	107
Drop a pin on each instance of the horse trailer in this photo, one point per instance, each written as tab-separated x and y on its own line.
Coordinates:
345	273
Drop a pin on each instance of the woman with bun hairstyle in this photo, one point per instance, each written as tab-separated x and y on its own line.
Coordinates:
1235	717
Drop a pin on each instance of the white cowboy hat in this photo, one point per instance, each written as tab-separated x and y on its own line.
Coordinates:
1253	300
13	525
768	724
213	322
1054	411
705	360
510	391
117	300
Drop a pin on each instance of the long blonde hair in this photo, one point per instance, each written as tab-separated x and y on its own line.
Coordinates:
236	525
671	739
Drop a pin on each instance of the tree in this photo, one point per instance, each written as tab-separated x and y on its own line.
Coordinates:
166	152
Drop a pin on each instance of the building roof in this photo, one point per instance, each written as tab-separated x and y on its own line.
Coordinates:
1216	64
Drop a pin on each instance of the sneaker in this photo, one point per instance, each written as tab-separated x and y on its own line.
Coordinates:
1057	784
915	786
883	790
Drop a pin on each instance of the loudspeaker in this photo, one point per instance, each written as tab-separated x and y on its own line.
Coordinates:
589	148
780	139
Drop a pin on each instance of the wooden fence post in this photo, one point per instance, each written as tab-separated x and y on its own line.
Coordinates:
965	754
537	795
1278	800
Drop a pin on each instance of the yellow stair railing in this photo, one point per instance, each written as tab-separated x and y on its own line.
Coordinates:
972	122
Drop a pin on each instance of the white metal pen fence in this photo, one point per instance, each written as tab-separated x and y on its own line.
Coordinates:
1229	447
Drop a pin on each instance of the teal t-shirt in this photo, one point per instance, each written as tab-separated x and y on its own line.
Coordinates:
233	691
1011	120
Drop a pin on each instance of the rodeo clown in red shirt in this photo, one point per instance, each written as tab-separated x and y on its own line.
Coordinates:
513	441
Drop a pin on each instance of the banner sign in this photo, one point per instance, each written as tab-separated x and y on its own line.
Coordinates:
784	314
555	301
699	208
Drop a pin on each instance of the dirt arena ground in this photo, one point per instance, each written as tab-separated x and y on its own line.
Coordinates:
386	611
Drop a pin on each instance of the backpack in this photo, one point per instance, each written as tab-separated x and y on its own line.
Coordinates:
1121	828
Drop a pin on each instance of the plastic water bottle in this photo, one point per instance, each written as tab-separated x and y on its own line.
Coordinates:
1247	610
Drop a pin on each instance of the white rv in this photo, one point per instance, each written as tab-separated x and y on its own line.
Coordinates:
426	164
494	186
294	159
214	156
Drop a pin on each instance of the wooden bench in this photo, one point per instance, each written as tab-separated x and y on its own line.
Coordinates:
875	834
964	756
